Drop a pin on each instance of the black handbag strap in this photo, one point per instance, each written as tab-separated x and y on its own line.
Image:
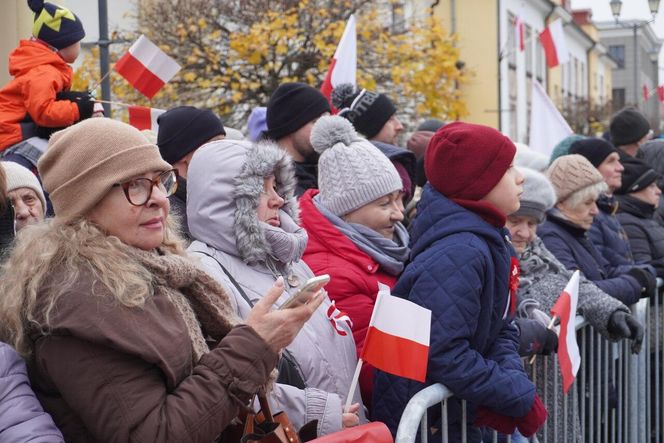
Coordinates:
230	277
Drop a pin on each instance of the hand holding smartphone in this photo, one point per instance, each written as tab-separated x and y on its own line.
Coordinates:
307	291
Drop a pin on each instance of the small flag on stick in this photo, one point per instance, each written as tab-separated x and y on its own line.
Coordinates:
344	62
568	349
519	34
141	117
146	67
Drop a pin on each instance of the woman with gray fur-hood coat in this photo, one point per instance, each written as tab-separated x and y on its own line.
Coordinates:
229	184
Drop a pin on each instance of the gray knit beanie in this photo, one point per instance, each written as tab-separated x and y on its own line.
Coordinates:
351	171
571	173
538	195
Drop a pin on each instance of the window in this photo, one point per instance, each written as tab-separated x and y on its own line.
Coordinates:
618	98
617	52
529	49
398	18
511	59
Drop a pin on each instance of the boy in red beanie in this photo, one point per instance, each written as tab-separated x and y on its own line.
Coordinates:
463	268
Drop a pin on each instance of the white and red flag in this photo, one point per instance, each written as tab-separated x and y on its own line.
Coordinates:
660	93
146	67
519	34
547	125
338	319
141	117
554	44
397	340
568	349
344	62
646	93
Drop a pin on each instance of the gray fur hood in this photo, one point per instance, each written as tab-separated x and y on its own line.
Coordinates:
224	183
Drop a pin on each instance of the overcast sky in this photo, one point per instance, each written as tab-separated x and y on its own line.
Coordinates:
631	9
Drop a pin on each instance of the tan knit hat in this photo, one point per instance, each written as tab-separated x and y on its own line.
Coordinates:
571	173
85	160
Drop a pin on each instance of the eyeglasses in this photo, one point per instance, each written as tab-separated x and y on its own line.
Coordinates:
139	190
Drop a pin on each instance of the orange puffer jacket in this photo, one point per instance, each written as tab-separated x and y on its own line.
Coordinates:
39	74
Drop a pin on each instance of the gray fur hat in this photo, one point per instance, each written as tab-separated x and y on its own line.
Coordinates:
538	195
351	171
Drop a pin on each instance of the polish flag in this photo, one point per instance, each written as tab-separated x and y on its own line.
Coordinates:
344	63
646	93
146	67
397	340
141	117
568	348
554	44
519	34
660	93
547	125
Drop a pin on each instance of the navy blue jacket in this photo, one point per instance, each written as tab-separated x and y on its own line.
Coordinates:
570	244
609	237
459	270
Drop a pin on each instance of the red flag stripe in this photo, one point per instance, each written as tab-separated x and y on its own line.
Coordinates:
138	75
395	355
549	48
562	310
140	117
326	87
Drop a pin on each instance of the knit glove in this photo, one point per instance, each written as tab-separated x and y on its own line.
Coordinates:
534	420
646	279
624	325
535	338
485	417
82	99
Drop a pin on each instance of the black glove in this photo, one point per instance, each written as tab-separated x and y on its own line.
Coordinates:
535	338
83	100
646	279
624	325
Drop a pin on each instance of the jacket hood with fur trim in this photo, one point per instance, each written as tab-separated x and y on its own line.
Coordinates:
224	183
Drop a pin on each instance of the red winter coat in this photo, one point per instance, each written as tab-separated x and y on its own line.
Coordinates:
355	276
39	74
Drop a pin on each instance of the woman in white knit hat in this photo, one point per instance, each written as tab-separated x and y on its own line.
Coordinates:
354	224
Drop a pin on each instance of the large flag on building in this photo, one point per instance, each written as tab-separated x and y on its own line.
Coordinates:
144	118
554	44
397	340
344	63
146	67
547	125
568	349
660	93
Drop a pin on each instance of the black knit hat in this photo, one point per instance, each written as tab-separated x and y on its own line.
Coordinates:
628	126
596	150
636	176
367	111
291	106
55	25
185	128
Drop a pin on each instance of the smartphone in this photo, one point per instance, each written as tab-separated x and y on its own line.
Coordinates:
307	291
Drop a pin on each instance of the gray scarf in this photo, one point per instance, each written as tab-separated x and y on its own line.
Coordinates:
389	254
287	242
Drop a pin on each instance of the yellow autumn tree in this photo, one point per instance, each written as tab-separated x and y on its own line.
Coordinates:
235	53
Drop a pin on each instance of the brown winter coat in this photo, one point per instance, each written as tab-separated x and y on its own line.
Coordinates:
107	372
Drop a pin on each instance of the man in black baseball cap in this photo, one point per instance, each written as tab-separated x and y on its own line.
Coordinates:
292	111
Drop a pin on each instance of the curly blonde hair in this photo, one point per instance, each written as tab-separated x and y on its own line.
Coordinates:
55	255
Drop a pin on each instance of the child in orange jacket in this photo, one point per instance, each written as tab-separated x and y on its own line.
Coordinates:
38	99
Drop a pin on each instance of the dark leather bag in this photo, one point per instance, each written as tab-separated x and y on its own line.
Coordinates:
267	428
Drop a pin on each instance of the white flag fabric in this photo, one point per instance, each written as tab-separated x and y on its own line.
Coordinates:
547	125
343	65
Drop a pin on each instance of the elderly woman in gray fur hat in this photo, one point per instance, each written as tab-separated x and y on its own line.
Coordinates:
243	214
543	278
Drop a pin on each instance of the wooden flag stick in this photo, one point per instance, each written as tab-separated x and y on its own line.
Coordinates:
126	105
100	81
551	323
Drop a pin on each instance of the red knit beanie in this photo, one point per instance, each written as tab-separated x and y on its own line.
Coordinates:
465	161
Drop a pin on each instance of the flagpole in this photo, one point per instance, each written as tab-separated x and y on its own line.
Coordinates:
99	84
551	323
126	105
353	385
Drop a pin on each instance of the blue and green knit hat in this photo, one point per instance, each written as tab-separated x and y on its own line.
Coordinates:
56	25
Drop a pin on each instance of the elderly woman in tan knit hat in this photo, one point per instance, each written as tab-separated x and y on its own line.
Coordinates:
126	338
578	184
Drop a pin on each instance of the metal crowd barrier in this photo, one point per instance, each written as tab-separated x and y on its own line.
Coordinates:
617	396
